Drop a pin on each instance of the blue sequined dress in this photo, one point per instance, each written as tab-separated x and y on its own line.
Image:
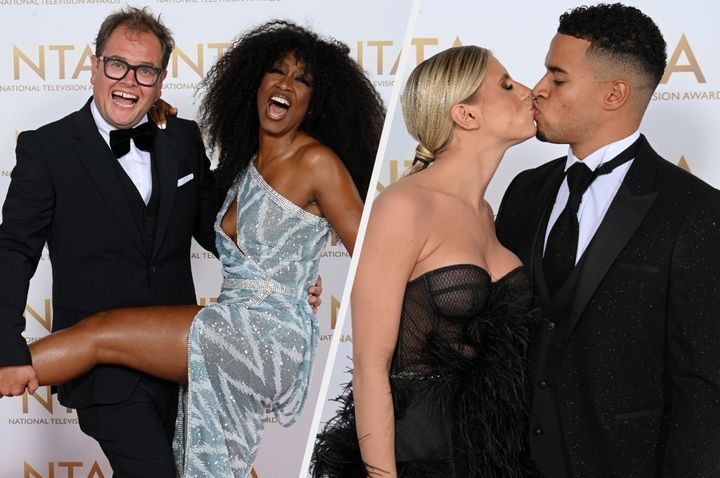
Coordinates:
252	352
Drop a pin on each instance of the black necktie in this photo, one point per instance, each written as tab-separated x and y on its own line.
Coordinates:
562	242
143	136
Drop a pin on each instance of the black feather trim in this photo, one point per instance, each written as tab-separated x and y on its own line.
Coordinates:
478	385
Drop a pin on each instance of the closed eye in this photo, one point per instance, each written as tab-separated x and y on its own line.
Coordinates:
506	82
304	80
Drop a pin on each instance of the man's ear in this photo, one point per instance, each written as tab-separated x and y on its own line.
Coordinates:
94	65
617	94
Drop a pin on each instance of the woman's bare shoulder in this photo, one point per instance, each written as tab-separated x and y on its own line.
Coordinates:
316	154
404	201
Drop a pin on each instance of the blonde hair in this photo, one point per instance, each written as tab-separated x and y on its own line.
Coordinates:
450	77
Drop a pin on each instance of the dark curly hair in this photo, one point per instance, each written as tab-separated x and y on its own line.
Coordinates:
347	113
624	34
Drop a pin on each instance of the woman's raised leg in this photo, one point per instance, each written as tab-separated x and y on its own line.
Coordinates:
149	339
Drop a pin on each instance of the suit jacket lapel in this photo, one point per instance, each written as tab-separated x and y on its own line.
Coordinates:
627	210
545	200
166	161
96	157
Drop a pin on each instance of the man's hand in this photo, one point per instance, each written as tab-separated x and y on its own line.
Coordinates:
314	298
14	379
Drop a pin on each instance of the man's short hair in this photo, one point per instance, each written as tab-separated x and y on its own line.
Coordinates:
137	20
622	34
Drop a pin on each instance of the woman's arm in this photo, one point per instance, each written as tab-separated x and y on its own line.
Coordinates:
335	193
392	244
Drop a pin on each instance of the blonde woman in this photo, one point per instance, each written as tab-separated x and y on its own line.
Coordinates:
440	309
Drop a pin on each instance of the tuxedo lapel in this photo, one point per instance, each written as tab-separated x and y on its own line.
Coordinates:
166	162
545	200
627	210
96	158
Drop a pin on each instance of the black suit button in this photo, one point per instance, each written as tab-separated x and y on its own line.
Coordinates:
542	384
538	431
551	326
150	239
148	218
153	269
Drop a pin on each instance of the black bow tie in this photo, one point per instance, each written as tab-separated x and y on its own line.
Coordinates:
143	136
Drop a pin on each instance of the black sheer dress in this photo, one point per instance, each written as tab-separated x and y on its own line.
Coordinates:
458	378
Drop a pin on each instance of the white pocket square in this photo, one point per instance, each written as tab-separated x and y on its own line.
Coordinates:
185	179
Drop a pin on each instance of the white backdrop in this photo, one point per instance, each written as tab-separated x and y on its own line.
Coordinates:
45	48
680	124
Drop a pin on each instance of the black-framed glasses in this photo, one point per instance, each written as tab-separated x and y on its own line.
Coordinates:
117	69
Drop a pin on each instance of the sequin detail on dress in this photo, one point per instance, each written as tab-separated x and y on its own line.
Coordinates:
251	353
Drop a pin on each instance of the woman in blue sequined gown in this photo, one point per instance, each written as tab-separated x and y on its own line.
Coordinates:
296	124
439	386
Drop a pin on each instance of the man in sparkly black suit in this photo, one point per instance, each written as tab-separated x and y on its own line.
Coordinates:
624	254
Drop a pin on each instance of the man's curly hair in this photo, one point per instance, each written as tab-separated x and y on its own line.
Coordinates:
346	114
623	33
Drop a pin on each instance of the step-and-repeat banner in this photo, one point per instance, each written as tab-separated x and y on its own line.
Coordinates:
45	50
680	124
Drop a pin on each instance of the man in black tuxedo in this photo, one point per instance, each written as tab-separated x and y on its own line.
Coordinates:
118	223
624	253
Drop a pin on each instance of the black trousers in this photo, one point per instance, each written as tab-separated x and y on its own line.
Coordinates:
136	434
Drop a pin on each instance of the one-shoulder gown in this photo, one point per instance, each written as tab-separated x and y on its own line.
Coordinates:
251	353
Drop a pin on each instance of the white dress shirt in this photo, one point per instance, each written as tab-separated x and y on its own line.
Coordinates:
136	162
596	200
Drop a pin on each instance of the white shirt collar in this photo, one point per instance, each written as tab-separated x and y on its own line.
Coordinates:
604	154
